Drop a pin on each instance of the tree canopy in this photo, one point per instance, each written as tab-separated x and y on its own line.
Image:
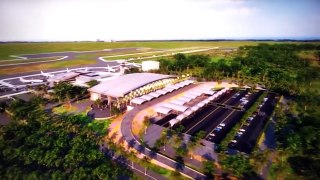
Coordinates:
276	66
66	91
37	145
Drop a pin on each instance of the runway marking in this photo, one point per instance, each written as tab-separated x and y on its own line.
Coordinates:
154	56
9	95
220	123
206	116
60	71
45	61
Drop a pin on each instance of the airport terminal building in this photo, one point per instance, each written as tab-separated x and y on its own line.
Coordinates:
121	89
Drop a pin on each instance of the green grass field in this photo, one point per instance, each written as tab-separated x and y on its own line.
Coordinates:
44	66
17	61
311	57
32	48
109	53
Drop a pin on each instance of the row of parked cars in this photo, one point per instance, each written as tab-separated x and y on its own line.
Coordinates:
244	100
216	130
247	124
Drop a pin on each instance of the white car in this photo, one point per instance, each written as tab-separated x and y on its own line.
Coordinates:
222	124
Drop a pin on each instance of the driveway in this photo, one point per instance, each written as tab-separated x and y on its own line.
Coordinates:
126	130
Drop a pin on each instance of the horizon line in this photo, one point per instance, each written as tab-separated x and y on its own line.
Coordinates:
137	40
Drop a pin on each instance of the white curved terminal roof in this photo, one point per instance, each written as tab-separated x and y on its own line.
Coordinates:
163	110
138	100
173	122
147	97
122	85
154	94
175	107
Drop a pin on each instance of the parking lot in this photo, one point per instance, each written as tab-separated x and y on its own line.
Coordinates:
220	116
255	124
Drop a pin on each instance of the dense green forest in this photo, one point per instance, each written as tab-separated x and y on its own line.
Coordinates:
278	67
40	145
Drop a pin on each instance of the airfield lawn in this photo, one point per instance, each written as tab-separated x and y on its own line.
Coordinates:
311	56
16	61
33	48
43	66
81	60
155	52
110	53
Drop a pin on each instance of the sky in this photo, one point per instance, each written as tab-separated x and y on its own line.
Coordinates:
80	20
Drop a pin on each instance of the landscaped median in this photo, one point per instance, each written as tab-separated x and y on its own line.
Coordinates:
232	133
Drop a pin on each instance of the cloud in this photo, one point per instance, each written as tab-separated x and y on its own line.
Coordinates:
228	7
244	11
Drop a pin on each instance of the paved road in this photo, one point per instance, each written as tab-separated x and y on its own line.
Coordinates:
136	168
126	130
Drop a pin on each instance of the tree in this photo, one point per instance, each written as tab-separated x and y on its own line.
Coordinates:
200	135
181	151
208	167
306	98
92	83
146	123
162	141
259	159
3	106
145	162
52	146
194	140
178	134
115	110
237	164
64	91
98	102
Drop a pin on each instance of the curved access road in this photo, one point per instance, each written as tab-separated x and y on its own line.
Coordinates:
126	130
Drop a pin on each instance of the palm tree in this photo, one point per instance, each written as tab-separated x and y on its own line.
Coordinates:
145	162
146	123
132	154
194	141
98	102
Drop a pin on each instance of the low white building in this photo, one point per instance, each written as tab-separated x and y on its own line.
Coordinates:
150	65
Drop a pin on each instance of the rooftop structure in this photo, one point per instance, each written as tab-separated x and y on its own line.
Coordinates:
150	65
122	85
63	77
